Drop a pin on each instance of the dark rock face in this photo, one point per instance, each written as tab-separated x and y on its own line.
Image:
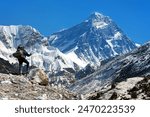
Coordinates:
7	68
95	96
84	72
114	96
139	65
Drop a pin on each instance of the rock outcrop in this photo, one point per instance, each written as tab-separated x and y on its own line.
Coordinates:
38	76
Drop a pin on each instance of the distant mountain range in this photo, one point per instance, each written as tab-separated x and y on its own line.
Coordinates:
96	39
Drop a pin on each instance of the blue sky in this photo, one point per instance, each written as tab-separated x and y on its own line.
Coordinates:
49	16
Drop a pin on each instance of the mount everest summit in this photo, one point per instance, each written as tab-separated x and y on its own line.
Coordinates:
96	39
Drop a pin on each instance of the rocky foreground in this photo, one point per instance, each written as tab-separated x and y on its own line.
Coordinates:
32	87
15	87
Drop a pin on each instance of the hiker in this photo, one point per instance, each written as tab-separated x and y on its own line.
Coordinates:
21	54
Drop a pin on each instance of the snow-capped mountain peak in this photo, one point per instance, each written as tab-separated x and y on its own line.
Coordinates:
98	20
93	40
97	16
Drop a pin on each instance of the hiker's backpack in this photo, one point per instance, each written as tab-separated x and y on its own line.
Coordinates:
18	53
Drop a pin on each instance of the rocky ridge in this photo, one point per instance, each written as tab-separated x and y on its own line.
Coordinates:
117	70
137	88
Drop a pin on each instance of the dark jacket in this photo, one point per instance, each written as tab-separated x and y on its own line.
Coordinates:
23	52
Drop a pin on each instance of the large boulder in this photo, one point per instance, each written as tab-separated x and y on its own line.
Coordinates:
38	76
